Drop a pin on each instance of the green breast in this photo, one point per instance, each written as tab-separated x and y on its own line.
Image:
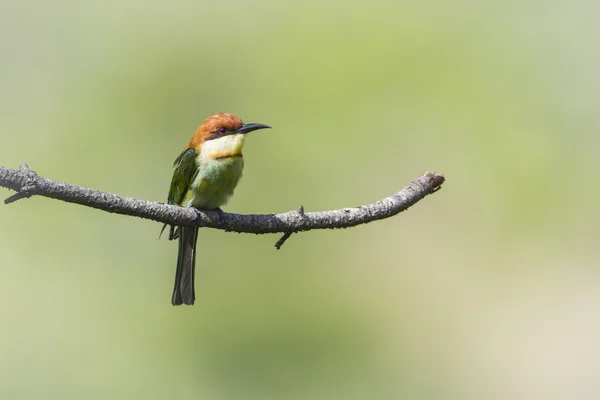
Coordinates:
215	182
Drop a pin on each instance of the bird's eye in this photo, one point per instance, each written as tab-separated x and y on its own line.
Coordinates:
222	131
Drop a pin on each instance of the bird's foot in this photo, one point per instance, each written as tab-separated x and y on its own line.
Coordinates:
221	215
218	210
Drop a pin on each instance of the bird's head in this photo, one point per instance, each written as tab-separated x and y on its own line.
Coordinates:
223	130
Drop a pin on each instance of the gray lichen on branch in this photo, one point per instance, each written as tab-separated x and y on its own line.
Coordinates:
27	183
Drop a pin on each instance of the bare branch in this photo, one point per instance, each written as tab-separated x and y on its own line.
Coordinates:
27	183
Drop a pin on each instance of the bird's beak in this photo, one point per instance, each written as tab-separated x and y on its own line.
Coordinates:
247	128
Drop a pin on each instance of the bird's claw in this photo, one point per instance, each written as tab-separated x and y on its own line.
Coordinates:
218	210
221	215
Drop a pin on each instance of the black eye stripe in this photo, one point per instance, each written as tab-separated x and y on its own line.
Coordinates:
220	132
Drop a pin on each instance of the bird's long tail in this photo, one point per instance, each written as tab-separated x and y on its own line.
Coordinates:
183	293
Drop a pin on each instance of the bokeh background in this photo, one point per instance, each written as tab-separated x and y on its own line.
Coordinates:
487	290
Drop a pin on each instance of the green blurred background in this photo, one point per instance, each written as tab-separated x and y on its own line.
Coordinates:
486	290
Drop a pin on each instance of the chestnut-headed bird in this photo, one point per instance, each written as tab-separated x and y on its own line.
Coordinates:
206	173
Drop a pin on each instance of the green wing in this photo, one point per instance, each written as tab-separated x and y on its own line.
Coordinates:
186	171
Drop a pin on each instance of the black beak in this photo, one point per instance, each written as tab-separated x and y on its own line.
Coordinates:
247	128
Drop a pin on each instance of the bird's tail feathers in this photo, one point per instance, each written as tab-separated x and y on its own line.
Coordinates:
184	293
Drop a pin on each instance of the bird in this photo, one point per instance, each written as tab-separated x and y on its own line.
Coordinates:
205	176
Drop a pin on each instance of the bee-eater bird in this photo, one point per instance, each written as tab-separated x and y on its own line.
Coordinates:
206	173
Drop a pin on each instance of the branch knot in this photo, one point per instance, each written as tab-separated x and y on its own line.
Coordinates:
298	217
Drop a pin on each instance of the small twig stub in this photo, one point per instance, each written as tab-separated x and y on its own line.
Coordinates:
287	235
282	240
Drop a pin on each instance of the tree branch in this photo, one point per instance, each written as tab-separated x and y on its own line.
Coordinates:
27	183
